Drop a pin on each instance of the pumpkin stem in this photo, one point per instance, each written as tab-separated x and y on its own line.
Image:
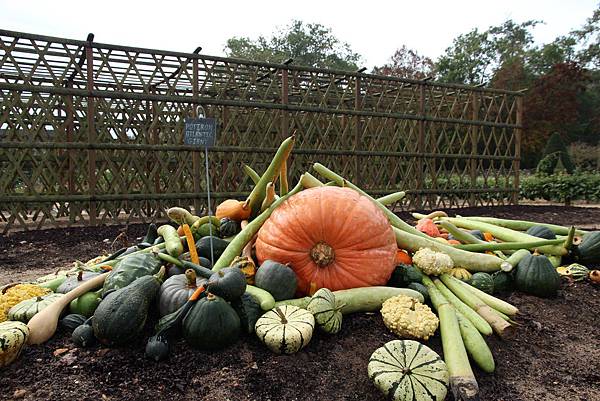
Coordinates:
281	315
190	275
322	254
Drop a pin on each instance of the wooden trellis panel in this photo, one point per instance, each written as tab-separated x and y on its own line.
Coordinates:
92	133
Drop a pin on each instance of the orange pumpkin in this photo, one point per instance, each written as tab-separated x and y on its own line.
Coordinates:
331	237
403	258
428	227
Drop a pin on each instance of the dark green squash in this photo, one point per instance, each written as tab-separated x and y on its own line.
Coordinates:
503	281
211	324
158	348
72	321
276	278
541	232
83	335
73	282
419	288
176	290
477	234
121	315
228	283
404	275
535	275
229	228
248	310
203	247
131	268
482	281
588	252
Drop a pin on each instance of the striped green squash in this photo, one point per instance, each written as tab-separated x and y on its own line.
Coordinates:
327	313
285	329
406	370
13	337
25	310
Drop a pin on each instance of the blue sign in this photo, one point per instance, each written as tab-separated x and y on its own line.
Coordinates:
200	132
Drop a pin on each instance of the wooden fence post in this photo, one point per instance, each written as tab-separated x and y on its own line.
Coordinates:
92	137
420	160
474	139
196	153
357	129
517	160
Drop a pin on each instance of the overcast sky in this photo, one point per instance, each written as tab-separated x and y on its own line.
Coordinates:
374	29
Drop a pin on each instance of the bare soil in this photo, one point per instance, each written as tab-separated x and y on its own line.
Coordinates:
554	356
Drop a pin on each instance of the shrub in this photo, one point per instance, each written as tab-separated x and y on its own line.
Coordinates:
562	187
554	152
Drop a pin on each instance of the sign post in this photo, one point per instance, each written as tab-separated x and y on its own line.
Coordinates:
202	132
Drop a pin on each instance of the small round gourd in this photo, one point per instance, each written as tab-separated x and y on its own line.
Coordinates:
25	310
406	370
285	329
228	283
13	337
211	324
157	348
83	336
541	232
276	278
87	303
325	310
503	281
482	281
72	321
229	228
176	290
536	275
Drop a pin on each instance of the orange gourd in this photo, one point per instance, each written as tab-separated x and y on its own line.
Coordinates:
233	209
332	238
428	227
403	258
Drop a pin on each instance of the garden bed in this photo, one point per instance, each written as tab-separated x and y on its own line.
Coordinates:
554	355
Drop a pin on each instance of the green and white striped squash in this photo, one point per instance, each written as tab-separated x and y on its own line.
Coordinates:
325	310
25	310
13	337
406	370
285	329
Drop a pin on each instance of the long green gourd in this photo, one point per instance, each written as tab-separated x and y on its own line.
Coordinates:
391	198
241	239
475	344
462	380
342	182
523	225
502	246
505	234
257	195
251	173
466	237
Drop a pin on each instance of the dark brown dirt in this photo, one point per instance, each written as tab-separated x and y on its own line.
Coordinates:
554	356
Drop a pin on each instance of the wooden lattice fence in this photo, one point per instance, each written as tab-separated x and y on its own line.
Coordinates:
92	133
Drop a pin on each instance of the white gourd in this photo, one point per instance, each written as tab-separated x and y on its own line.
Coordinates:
285	329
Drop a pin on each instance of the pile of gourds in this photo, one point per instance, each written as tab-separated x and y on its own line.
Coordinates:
280	265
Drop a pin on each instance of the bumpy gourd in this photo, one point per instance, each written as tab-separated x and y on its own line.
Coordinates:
460	273
408	318
406	370
286	329
432	262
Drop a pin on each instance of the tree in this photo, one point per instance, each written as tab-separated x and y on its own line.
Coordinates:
555	156
407	63
589	35
308	44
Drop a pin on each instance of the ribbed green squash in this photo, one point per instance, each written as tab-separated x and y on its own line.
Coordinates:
121	315
535	275
248	310
13	337
419	288
404	275
211	324
131	268
588	252
503	281
406	370
72	321
228	283
285	329
482	281
203	246
229	228
276	278
83	336
541	232
25	310
176	290
326	311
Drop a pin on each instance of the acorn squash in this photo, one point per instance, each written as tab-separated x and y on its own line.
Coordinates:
482	281
541	232
73	282
503	281
535	275
276	278
588	252
228	283
176	290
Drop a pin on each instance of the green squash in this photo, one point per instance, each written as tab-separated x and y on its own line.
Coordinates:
157	348
229	228
121	315
406	370
286	329
326	311
276	278
73	282
419	288
404	275
176	290
25	310
203	246
588	252
503	281
228	283
248	310
131	268
83	336
72	321
535	275
211	324
541	232
13	337
482	281
86	304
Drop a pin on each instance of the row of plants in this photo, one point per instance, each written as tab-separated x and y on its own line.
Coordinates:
282	264
561	187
